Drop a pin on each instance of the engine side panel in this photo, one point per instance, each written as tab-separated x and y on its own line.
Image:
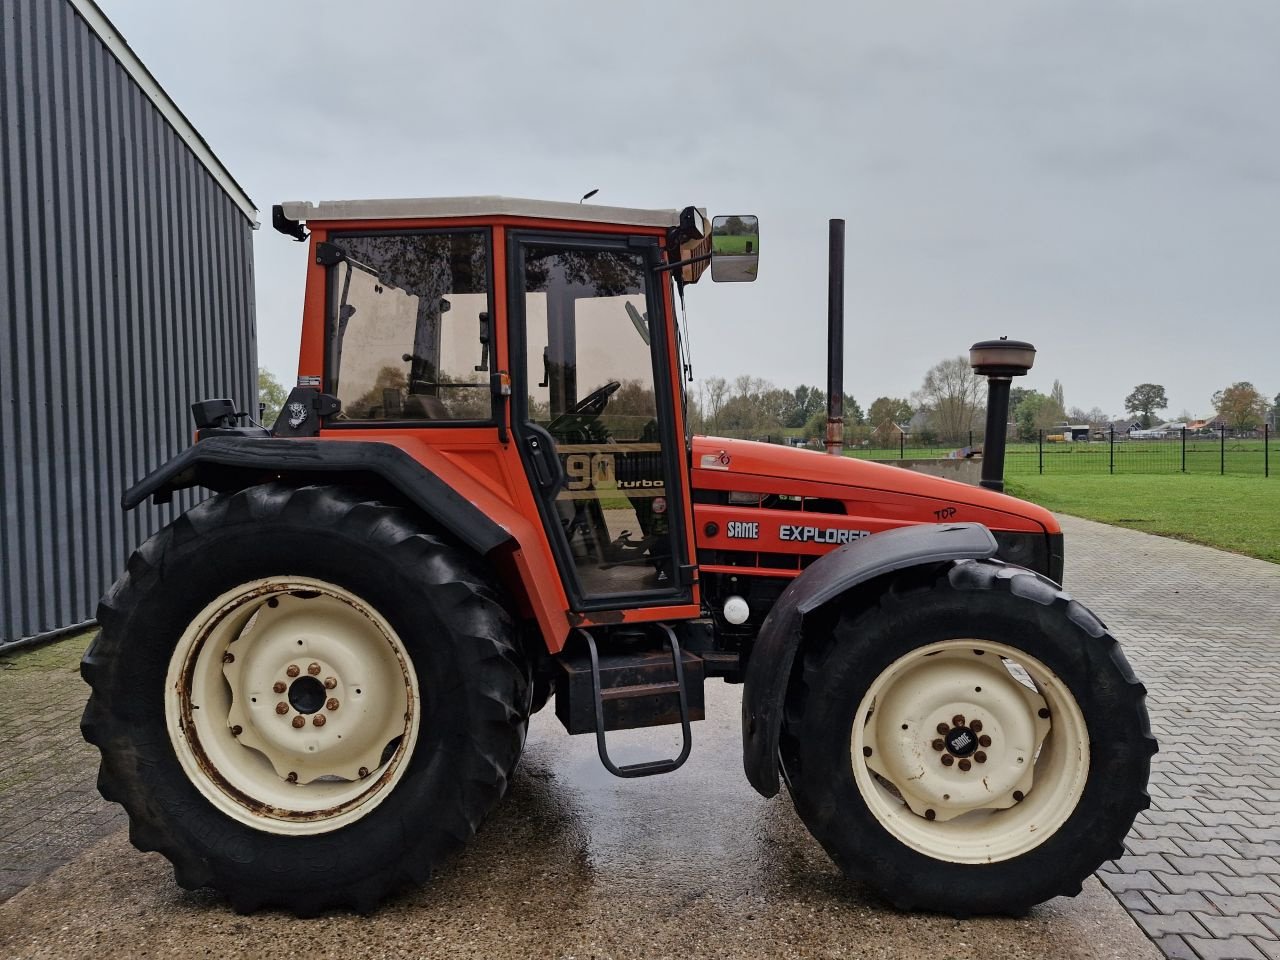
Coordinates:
766	510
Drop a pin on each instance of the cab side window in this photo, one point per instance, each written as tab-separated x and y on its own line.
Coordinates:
409	327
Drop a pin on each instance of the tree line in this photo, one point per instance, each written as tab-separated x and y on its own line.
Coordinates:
949	406
948	409
1240	407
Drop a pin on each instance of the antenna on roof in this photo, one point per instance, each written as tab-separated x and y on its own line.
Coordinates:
589	194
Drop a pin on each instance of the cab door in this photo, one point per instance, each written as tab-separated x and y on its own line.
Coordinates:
593	411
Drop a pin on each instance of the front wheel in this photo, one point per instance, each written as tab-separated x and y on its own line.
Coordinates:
303	698
974	742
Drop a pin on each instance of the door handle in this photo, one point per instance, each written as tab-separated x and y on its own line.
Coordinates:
547	470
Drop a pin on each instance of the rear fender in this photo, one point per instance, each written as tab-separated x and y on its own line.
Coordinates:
485	523
774	652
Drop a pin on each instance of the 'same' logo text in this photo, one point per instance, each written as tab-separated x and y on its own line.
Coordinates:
742	530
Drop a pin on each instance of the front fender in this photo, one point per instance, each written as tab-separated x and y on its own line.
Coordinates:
774	652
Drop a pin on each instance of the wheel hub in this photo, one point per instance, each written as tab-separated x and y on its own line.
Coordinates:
961	741
324	726
306	694
956	733
969	750
296	704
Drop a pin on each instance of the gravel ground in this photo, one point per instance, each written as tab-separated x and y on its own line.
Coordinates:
574	864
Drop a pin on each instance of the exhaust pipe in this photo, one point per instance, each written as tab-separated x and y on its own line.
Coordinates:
999	361
835	340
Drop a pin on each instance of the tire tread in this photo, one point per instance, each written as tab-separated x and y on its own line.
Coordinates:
494	671
814	665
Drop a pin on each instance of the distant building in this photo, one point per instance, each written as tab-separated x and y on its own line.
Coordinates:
1072	432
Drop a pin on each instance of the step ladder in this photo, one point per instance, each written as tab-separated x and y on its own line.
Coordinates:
676	688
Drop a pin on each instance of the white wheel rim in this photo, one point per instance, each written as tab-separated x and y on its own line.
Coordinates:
284	698
944	802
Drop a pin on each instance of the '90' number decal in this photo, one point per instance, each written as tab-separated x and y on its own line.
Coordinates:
586	469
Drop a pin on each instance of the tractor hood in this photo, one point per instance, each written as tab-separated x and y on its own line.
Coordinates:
779	502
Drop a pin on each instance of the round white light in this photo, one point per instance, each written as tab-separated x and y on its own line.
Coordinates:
736	610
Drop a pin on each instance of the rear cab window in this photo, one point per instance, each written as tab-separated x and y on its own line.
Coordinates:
409	327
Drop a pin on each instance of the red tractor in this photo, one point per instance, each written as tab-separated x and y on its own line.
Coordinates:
313	686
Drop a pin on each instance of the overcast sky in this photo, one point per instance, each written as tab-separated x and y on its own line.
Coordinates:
1100	178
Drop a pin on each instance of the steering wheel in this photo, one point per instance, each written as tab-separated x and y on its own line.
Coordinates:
585	412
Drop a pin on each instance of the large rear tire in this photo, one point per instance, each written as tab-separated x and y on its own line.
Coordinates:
972	742
303	698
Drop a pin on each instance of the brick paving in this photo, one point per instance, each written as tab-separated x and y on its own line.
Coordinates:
49	805
1202	629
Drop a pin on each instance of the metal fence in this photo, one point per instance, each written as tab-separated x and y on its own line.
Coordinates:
1180	451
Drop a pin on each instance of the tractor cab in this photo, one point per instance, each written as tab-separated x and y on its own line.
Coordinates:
544	331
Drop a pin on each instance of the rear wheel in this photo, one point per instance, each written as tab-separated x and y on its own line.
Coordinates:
973	743
304	699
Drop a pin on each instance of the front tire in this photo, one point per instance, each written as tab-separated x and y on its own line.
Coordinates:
303	698
971	742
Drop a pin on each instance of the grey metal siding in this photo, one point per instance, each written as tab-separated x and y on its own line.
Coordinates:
126	292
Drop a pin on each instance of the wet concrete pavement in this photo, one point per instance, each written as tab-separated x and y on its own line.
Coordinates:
574	864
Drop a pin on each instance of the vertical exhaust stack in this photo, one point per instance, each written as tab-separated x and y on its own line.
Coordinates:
835	341
999	361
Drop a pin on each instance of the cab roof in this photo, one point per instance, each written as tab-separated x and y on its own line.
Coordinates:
441	207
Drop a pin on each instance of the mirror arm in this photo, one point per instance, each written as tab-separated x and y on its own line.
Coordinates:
662	267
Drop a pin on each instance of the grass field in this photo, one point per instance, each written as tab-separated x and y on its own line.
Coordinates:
1240	514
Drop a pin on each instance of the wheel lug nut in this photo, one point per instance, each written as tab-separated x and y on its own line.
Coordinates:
976	726
866	751
964	764
930	814
237	730
282	708
984	741
938	744
331	703
278	686
943	728
292	670
313	669
292	777
980	757
958	720
1044	713
299	722
318	720
330	682
948	759
228	657
1017	796
364	772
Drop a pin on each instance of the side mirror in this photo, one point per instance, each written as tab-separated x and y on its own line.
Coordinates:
735	248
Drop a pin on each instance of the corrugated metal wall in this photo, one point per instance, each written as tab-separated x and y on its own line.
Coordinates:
126	292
